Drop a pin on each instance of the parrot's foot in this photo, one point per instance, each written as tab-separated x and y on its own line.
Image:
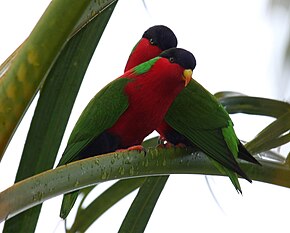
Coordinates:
163	143
139	148
161	140
166	145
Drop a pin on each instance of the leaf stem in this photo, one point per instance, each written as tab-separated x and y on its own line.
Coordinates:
121	165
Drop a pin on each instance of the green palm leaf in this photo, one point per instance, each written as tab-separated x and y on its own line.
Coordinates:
33	191
54	106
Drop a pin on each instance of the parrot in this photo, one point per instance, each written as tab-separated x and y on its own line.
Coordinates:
195	119
154	40
198	120
129	108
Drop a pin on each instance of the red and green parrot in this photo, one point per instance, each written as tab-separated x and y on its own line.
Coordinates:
198	120
129	108
206	125
154	40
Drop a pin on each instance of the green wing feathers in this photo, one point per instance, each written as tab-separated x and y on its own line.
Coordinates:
213	144
198	116
231	138
100	114
199	107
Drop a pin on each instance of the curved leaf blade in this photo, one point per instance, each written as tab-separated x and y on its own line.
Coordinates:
157	161
29	67
254	105
87	216
52	112
81	224
143	205
272	136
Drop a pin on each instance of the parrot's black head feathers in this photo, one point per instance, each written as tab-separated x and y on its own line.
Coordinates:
180	56
161	36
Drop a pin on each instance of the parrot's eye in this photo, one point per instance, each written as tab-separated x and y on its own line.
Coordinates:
171	59
152	42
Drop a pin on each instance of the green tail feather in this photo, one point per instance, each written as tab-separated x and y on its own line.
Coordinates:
234	145
68	202
232	175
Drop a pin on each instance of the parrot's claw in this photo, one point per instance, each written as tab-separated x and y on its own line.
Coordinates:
161	140
163	143
139	148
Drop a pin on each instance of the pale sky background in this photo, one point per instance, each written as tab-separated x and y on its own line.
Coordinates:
238	46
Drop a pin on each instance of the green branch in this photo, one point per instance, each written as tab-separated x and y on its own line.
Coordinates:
157	161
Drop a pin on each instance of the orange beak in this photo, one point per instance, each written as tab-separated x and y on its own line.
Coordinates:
187	76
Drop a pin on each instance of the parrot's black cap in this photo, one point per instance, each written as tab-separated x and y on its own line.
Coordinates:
161	36
180	56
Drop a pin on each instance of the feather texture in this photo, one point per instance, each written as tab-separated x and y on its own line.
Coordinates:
197	116
129	108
